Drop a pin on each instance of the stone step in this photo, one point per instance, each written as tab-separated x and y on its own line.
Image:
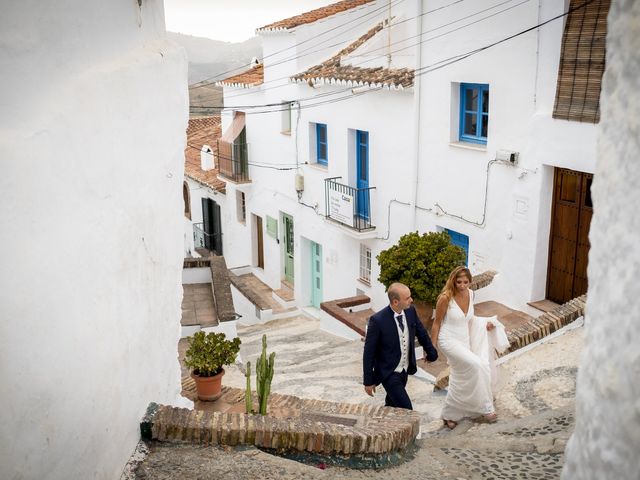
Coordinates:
350	311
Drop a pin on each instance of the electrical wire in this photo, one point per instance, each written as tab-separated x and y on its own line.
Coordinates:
273	166
210	80
238	94
428	68
238	107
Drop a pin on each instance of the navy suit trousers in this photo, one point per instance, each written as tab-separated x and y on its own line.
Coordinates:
397	395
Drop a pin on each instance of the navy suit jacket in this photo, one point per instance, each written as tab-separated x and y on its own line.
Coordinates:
382	345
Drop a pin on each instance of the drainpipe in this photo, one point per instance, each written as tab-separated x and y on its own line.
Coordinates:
415	171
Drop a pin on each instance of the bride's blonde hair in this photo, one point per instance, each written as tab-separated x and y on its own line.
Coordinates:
450	287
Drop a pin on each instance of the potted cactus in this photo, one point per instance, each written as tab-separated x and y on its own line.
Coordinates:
206	356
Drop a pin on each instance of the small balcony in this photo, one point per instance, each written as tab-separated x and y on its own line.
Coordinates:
206	241
349	206
233	161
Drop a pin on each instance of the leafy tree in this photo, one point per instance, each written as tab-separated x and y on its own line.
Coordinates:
422	262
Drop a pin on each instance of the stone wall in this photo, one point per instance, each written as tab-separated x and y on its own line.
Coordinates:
606	440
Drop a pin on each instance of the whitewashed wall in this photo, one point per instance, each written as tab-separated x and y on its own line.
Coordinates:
606	440
383	115
451	176
91	232
521	74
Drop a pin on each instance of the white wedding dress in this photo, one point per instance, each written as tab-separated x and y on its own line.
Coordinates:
469	393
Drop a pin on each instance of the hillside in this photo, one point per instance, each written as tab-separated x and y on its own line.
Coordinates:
211	60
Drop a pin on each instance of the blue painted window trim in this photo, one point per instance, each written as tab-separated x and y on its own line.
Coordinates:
477	138
322	160
460	240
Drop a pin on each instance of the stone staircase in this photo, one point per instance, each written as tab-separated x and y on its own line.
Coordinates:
270	304
207	299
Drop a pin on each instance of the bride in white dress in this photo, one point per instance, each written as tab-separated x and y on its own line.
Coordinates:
469	393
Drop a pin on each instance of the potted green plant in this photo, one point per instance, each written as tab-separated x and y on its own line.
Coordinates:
206	355
423	263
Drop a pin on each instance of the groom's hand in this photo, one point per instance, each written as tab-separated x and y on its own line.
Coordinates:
370	389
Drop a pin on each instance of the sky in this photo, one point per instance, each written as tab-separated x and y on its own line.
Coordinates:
231	20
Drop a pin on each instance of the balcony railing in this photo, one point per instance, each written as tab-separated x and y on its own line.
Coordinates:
202	239
347	205
233	161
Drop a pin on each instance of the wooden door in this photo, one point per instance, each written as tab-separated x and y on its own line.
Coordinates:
217	229
316	274
569	240
362	173
260	244
212	225
288	248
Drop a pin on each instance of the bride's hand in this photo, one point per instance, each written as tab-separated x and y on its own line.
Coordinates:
490	326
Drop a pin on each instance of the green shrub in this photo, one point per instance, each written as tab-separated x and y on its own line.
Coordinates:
422	262
208	353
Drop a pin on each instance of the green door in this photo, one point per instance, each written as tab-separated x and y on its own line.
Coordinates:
316	274
288	247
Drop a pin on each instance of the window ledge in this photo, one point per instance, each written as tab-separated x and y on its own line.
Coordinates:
364	282
318	166
478	147
287	133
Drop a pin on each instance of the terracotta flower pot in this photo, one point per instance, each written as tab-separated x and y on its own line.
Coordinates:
208	388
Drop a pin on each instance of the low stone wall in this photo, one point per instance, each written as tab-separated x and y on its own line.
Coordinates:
296	425
357	321
483	279
200	262
547	323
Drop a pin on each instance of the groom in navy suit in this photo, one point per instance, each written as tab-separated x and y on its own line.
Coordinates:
389	347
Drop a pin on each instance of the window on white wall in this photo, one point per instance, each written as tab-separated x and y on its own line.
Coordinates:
241	207
285	126
365	264
319	144
474	113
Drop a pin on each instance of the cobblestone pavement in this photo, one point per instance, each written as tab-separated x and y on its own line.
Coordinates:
535	403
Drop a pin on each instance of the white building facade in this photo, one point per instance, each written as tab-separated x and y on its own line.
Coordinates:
91	234
358	133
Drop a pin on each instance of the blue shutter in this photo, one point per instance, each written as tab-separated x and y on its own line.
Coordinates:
460	240
322	145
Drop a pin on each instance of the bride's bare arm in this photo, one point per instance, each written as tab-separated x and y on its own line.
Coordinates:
441	310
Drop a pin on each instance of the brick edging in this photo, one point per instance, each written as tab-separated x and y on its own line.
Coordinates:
378	430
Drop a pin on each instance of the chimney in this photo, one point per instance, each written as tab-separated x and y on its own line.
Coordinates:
206	158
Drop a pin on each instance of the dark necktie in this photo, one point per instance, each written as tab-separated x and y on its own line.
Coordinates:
400	323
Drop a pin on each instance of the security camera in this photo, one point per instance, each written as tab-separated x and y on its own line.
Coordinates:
507	156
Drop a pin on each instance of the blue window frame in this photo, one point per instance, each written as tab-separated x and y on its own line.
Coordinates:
474	112
460	240
321	144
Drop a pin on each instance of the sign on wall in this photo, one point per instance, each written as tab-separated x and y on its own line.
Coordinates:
272	227
341	207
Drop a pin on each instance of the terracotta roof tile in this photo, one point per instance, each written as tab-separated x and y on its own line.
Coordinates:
203	131
250	78
313	15
333	72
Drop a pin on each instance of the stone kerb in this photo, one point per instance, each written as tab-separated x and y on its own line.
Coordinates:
483	279
546	324
315	426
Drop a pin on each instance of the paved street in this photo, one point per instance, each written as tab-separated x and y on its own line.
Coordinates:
535	404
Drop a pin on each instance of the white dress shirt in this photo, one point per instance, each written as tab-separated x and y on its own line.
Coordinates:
403	336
